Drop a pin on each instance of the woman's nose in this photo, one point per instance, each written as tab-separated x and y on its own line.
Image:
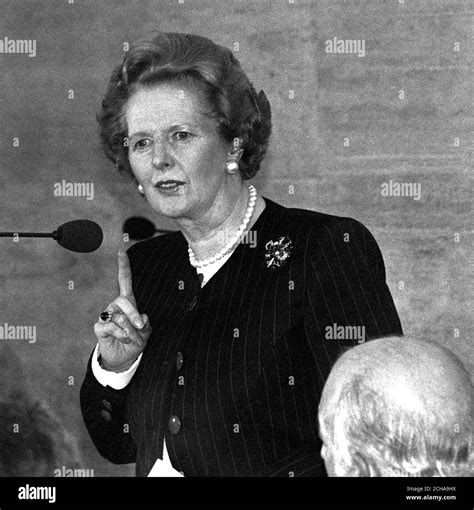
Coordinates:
161	156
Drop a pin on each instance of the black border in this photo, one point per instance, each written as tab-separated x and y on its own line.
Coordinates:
240	492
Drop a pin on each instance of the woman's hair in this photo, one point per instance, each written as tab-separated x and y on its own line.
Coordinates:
211	70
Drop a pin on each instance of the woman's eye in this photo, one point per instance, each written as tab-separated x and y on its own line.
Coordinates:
182	136
141	144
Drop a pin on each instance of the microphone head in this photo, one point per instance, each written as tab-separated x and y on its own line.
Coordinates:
82	236
139	228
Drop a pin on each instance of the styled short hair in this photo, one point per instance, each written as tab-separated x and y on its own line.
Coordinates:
376	439
195	61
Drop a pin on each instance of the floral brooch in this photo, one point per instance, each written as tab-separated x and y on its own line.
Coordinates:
278	252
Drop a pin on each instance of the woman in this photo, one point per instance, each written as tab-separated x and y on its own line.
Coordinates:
215	353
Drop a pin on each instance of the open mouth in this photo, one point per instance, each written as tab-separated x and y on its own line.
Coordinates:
169	186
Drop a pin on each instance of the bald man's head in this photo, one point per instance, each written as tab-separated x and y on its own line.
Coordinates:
395	407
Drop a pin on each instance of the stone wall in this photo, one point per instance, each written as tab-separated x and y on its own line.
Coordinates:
345	124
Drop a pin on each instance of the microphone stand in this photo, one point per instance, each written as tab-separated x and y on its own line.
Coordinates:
82	236
29	234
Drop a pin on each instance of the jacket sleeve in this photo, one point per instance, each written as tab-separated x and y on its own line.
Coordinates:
104	413
344	286
346	291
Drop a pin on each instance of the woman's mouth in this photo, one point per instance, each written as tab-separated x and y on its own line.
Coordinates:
168	187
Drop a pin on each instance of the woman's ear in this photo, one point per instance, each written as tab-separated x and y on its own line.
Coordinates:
235	150
235	156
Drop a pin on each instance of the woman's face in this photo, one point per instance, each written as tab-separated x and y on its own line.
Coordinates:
171	139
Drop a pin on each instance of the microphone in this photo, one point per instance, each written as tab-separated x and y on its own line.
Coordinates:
139	228
82	236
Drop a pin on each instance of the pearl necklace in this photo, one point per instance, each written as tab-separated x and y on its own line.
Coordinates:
234	241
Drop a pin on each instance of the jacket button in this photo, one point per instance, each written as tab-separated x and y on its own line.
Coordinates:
192	304
174	424
179	360
107	405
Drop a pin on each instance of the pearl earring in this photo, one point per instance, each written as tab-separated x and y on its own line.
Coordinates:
141	190
231	167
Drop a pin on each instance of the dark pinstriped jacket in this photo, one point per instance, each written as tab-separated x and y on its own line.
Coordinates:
254	344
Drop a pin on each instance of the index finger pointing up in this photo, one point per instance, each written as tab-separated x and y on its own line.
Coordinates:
124	275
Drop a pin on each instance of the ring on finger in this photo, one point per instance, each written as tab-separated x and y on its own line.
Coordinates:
105	316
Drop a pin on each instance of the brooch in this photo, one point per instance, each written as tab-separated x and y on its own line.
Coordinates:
278	252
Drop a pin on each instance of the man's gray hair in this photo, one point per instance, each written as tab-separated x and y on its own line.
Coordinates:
377	438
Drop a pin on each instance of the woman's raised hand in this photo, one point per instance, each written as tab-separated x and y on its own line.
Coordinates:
124	337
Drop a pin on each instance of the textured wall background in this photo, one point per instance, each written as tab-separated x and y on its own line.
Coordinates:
342	128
